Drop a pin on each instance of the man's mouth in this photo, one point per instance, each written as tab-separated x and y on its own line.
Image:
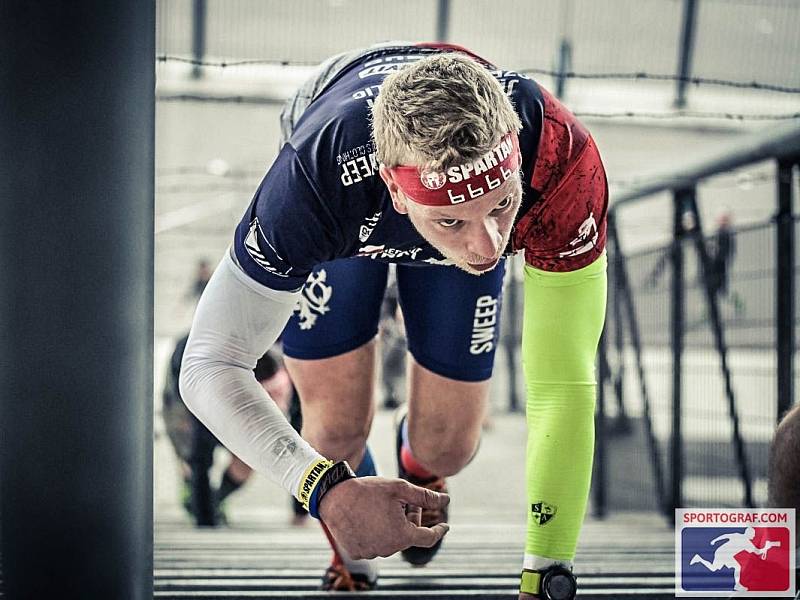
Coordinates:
483	266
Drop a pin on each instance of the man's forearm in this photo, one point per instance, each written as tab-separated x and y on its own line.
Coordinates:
564	314
237	319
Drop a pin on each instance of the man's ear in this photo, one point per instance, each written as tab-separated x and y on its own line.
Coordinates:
398	200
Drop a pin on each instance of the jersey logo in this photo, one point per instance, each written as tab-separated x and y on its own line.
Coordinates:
439	261
370	223
382	252
251	244
543	513
586	239
314	299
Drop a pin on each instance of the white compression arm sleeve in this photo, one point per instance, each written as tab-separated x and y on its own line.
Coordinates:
237	320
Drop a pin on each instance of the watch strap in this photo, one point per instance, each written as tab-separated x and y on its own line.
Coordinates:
335	474
530	582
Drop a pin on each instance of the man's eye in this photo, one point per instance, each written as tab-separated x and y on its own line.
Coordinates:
503	204
448	222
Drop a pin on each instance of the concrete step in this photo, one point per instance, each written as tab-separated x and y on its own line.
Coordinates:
628	556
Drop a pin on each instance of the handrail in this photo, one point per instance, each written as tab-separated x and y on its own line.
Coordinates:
781	145
776	143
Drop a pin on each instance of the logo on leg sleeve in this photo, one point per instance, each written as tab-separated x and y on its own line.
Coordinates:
543	513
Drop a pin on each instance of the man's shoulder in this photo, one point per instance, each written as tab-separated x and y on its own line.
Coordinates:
340	115
338	155
527	99
518	86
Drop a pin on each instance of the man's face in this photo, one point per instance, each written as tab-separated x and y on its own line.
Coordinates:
472	234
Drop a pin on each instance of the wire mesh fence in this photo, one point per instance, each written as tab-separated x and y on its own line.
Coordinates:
734	41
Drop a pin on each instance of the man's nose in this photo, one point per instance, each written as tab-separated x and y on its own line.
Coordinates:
484	239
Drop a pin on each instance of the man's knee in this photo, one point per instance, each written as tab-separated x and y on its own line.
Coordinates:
336	439
444	419
443	451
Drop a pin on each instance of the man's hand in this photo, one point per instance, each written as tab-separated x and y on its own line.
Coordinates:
367	516
526	596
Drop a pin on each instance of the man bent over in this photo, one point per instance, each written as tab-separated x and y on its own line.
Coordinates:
429	157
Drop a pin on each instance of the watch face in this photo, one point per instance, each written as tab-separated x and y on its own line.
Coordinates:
560	587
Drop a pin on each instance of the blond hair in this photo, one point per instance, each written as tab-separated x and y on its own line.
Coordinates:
440	111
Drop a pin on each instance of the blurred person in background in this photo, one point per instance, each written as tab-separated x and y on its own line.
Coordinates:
183	309
432	158
722	252
201	277
392	345
194	444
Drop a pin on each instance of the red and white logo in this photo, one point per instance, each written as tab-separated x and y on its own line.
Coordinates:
747	552
433	180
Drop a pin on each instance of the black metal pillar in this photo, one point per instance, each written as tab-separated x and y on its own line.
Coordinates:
785	283
442	20
600	477
622	424
564	65
686	50
198	35
677	311
76	298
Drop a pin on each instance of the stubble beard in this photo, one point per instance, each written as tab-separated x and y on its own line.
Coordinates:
461	263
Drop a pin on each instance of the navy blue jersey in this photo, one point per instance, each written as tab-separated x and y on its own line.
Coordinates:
323	197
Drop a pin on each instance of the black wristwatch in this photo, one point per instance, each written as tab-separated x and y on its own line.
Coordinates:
553	583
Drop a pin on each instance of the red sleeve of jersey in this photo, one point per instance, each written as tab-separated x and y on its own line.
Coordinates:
565	229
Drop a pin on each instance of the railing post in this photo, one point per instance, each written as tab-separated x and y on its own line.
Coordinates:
198	35
564	66
565	47
442	20
785	286
600	479
678	306
622	424
686	50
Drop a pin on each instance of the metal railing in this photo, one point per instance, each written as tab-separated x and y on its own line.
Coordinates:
634	351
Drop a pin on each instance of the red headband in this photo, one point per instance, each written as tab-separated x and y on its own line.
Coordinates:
464	182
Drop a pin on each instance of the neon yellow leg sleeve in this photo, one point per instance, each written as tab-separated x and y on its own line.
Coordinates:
564	314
